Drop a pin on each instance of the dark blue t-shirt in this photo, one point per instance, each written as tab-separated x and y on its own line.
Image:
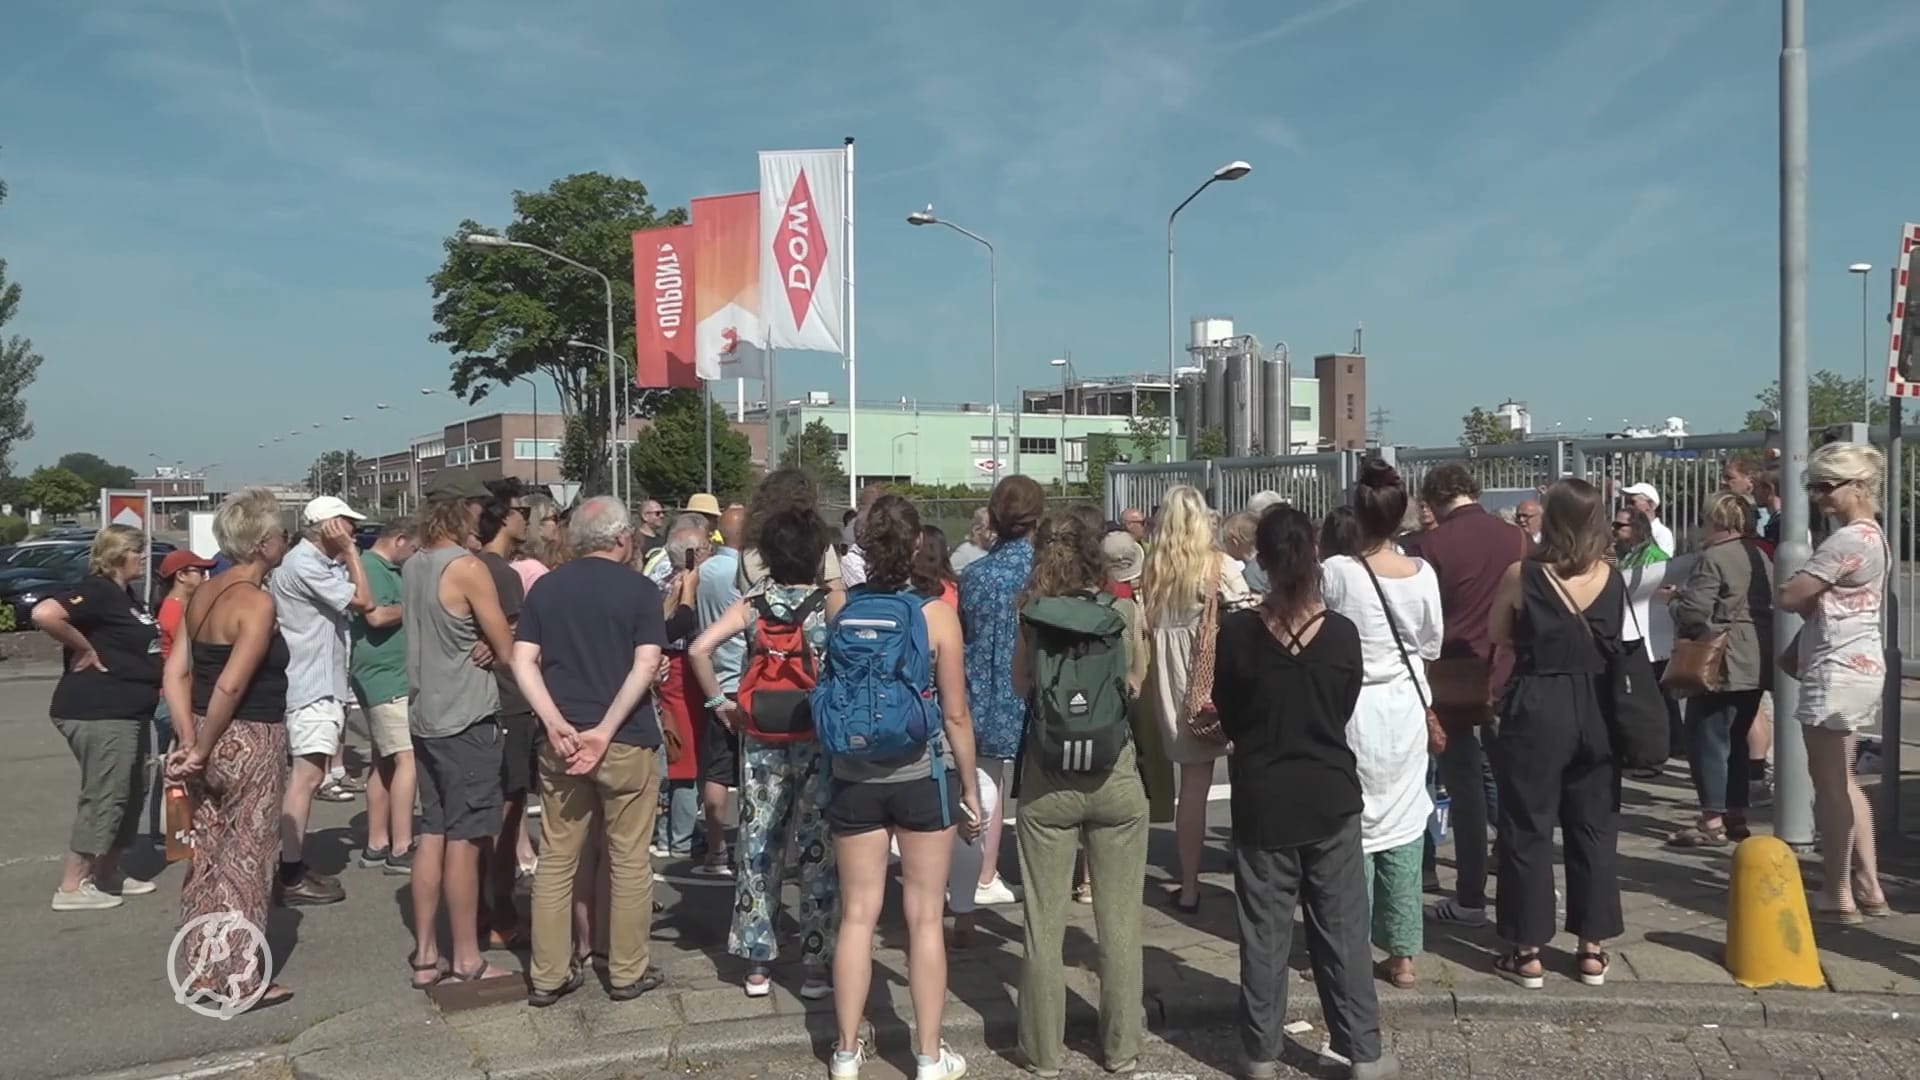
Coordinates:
588	616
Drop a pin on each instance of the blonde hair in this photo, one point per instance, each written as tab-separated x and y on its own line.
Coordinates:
1849	463
1239	530
1726	512
245	521
1181	555
541	510
111	548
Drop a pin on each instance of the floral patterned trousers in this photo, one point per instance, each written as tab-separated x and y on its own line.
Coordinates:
784	786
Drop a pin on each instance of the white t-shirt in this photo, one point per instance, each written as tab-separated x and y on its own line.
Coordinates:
1663	536
853	567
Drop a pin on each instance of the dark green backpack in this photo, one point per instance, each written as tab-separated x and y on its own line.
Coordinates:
1078	717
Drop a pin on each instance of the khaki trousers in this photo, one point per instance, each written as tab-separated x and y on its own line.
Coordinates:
623	792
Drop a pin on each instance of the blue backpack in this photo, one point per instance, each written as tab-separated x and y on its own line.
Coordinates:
874	700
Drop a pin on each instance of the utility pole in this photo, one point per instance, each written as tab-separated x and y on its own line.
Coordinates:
1380	418
1793	793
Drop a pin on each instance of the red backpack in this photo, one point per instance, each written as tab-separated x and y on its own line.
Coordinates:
777	686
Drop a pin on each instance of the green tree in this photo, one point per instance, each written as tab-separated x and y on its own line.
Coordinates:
815	450
1103	449
96	470
1832	398
1148	431
19	364
1209	443
325	472
508	312
1482	428
670	457
57	491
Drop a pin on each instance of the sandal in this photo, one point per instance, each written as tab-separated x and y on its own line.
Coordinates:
1399	980
651	979
759	982
484	971
1738	831
275	995
576	978
1835	916
440	969
1513	968
1693	836
1594	956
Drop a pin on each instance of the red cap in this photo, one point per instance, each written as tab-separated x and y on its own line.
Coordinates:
183	560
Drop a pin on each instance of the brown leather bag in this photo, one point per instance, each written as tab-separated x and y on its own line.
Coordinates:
1697	666
1202	718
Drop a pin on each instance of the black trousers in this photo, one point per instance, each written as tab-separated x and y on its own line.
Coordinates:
1554	766
1329	877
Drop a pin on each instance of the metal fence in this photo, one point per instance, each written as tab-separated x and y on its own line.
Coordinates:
1685	470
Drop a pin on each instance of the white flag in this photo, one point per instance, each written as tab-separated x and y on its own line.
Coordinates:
803	210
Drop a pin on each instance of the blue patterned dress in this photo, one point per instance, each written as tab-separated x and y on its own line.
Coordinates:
988	587
787	786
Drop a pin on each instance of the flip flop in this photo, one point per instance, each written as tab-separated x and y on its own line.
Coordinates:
478	974
440	969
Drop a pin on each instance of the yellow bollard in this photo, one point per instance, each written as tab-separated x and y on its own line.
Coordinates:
1769	934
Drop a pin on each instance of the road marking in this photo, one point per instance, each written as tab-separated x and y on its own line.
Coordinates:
23	860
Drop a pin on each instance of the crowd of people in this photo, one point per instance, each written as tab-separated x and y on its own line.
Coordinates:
876	699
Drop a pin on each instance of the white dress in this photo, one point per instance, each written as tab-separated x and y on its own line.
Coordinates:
1388	732
1173	635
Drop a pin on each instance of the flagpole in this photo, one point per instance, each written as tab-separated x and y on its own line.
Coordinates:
774	453
853	397
706	406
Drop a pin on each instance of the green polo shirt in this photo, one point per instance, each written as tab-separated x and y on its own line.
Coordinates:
378	668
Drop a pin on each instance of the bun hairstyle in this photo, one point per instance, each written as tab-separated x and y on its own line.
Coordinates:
1379	502
889	536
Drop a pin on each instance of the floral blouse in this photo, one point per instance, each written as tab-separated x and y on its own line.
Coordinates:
988	587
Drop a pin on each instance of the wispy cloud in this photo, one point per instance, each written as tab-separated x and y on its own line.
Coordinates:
1849	50
261	109
1292	25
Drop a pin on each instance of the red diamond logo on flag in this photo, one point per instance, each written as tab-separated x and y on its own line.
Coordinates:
731	339
800	249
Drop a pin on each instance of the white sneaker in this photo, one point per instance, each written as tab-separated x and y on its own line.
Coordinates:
845	1066
126	886
85	898
994	893
946	1065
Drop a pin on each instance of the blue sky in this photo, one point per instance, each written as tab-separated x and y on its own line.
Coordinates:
223	211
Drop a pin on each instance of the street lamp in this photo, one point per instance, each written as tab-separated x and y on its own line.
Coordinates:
613	420
926	217
1065	365
344	455
1232	170
1866	345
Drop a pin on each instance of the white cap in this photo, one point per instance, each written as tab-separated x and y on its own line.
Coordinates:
1645	490
328	507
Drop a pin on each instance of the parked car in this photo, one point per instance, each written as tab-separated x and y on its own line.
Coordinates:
21	587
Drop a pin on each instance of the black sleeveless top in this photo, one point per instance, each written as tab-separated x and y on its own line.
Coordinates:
264	701
1549	638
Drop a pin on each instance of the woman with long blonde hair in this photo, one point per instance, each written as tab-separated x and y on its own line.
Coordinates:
1184	569
1837	658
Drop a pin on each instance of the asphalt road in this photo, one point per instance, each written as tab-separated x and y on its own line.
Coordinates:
1507	1051
90	989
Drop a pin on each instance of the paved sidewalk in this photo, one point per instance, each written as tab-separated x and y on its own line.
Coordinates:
1666	971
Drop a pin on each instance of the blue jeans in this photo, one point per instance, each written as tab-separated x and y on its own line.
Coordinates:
1717	726
679	813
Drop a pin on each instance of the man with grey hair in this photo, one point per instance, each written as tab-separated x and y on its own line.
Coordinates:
319	583
1262	500
690	533
979	539
589	643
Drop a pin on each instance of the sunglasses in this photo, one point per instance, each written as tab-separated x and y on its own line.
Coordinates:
1826	487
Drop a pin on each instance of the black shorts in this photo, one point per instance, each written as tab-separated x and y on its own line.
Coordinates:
516	756
906	805
719	751
460	782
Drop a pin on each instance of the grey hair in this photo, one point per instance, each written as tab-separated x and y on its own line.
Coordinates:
690	532
1262	500
598	524
1510	515
244	522
981	531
